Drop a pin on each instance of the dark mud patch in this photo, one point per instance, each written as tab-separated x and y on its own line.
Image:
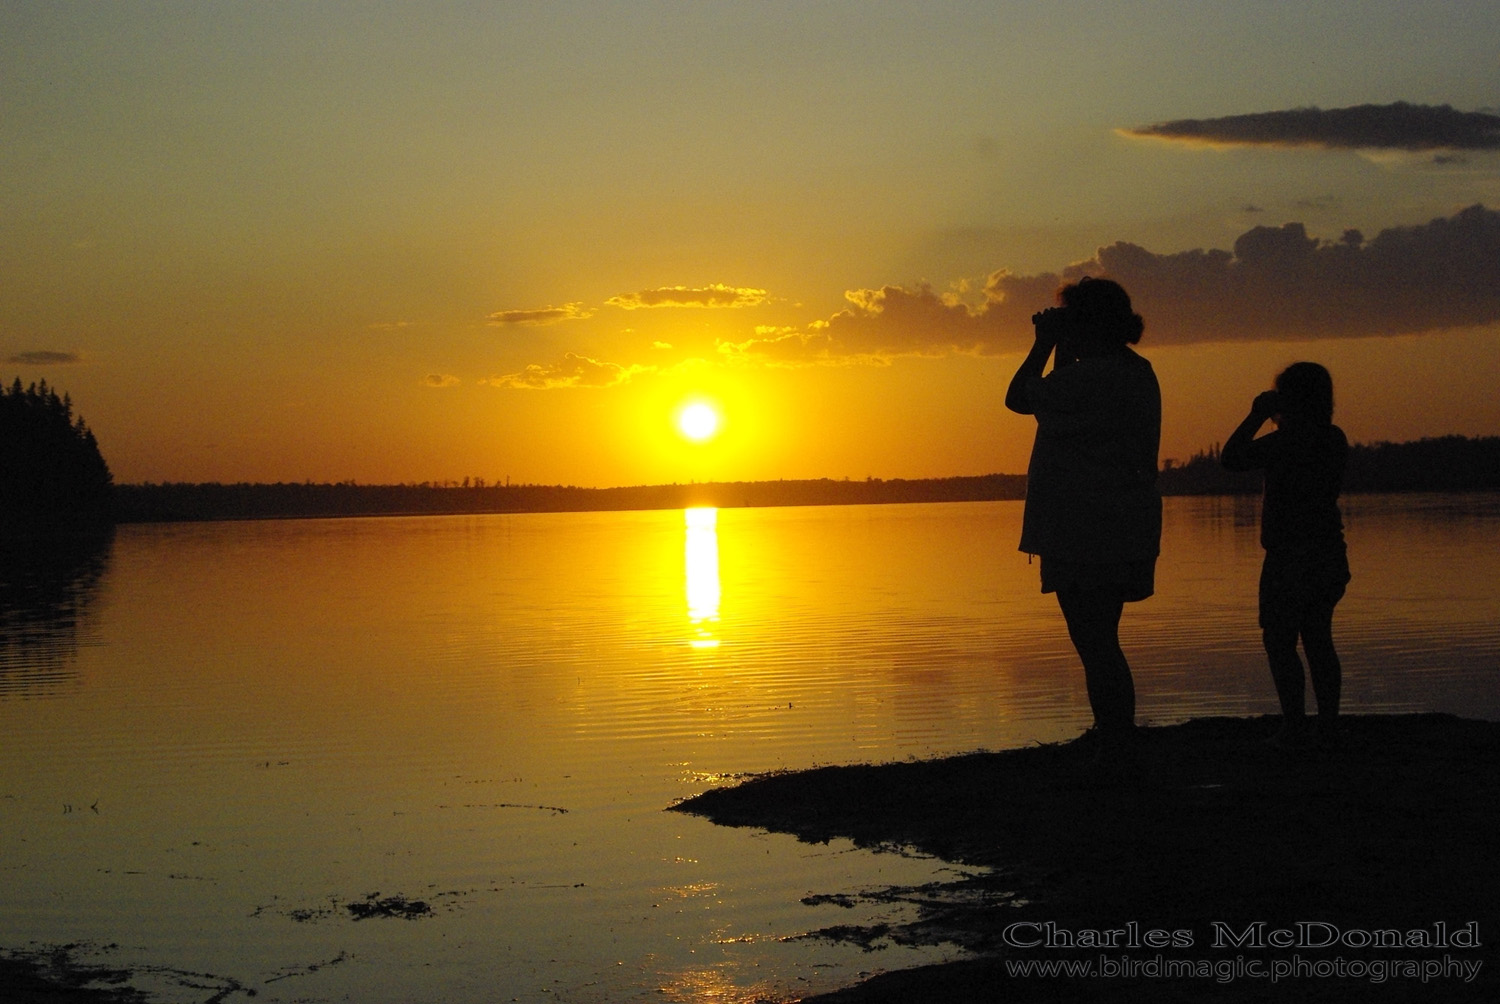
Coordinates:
944	911
1201	829
372	906
56	974
375	906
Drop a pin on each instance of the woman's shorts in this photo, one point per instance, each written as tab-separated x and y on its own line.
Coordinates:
1130	580
1301	587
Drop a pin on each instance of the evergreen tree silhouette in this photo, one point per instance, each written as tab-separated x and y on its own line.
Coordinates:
52	475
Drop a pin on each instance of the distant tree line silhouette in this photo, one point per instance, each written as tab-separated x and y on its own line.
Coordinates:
52	475
1449	463
1440	464
177	501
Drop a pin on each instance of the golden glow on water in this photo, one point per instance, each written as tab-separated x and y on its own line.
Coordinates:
715	985
247	725
701	560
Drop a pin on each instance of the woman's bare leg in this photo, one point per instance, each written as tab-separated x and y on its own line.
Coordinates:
1093	618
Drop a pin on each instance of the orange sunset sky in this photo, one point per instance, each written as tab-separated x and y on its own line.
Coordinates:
419	241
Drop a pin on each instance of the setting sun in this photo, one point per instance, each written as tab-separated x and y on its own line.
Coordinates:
698	421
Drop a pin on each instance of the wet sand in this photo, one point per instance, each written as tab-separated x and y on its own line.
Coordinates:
1368	865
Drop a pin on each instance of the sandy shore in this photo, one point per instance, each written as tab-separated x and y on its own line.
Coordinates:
1364	873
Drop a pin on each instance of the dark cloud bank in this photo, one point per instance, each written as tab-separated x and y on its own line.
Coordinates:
1398	126
1278	283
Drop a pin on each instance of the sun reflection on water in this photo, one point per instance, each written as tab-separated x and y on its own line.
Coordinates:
701	560
714	984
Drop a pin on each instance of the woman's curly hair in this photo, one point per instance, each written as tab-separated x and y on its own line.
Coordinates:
1103	306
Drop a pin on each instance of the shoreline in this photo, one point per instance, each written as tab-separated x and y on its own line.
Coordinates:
1205	849
1174	855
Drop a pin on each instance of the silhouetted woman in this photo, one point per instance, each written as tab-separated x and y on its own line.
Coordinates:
1306	566
1093	513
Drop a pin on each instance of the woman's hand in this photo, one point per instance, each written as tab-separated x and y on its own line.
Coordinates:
1267	404
1050	325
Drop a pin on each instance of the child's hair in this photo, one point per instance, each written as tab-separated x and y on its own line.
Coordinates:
1104	305
1305	392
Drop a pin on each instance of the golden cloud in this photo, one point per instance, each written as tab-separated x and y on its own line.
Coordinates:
541	316
1275	284
716	295
572	370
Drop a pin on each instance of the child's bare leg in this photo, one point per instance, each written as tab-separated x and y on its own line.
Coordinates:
1323	664
1286	672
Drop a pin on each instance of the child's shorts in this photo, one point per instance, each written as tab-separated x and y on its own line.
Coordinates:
1299	587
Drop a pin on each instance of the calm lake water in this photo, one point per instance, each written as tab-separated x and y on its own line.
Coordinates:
219	736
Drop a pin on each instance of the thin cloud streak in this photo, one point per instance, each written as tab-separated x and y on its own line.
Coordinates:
1398	126
45	358
542	316
715	295
572	370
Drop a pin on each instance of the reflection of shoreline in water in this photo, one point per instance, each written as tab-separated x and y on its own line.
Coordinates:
46	587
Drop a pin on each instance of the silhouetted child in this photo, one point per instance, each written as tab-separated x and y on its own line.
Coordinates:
1306	566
